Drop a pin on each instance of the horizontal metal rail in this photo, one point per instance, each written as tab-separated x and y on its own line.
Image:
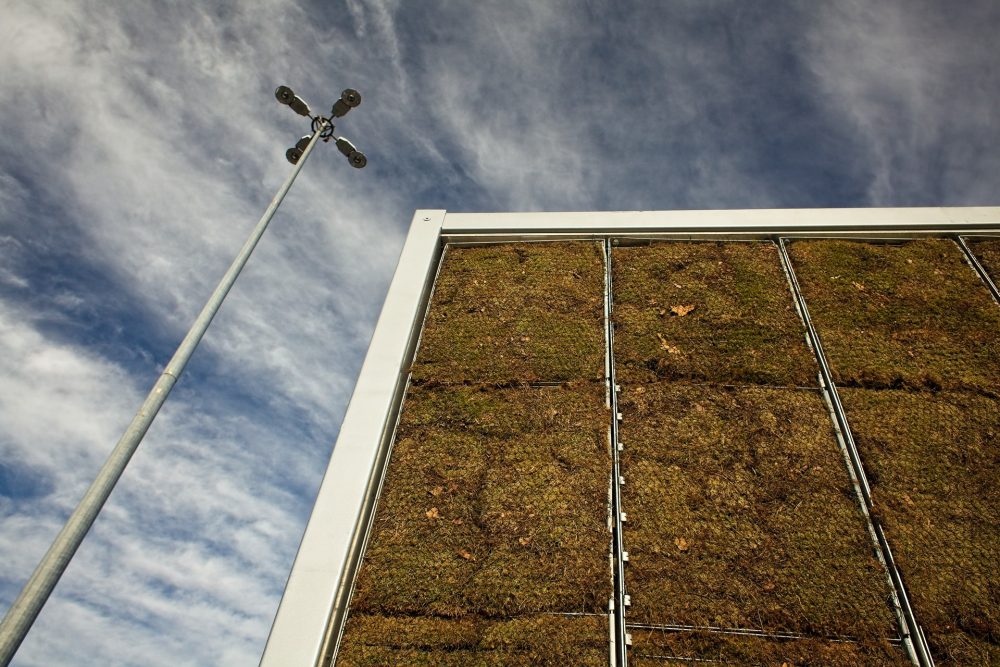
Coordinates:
751	632
912	635
463	237
980	269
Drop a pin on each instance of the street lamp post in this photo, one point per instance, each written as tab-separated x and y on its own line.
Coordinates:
22	614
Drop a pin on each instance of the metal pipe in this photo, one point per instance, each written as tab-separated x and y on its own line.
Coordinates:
21	615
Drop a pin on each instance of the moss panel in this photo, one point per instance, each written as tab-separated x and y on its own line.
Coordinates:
909	315
516	312
536	640
656	648
988	254
741	514
494	506
719	312
933	461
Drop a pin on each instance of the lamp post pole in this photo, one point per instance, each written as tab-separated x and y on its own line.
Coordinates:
22	614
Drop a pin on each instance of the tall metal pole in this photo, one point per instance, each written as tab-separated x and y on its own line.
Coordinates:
33	596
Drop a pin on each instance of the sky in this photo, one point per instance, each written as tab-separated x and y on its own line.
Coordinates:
140	142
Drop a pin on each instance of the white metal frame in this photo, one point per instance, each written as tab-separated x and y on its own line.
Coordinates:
314	605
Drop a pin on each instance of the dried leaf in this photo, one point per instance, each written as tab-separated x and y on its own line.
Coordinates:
681	311
432	513
859	286
681	543
523	540
769	586
466	555
437	491
667	346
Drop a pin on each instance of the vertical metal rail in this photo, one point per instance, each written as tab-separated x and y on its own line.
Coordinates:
619	602
980	269
912	634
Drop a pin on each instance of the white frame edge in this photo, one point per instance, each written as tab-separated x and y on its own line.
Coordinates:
299	633
760	221
321	578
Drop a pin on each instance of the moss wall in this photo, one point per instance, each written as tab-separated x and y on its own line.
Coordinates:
716	312
915	332
650	647
913	315
741	513
490	540
515	313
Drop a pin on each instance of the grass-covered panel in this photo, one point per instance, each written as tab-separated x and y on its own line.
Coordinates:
717	312
741	514
516	312
933	461
988	254
655	648
494	506
911	315
384	641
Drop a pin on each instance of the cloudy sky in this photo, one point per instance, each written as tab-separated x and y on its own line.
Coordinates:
139	143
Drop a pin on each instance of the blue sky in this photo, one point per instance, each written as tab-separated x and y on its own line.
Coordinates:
139	142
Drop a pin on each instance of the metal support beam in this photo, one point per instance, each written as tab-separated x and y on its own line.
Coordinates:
617	515
912	634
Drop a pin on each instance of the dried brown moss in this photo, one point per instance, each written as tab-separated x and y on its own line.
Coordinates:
988	254
743	327
911	315
537	640
933	462
655	648
494	505
741	514
518	312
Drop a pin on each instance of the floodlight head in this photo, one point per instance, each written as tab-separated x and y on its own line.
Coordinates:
301	144
351	97
340	109
357	159
346	147
284	94
293	155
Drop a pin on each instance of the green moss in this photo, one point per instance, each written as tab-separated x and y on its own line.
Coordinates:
910	315
933	461
743	328
518	312
988	254
537	640
654	648
494	506
741	514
